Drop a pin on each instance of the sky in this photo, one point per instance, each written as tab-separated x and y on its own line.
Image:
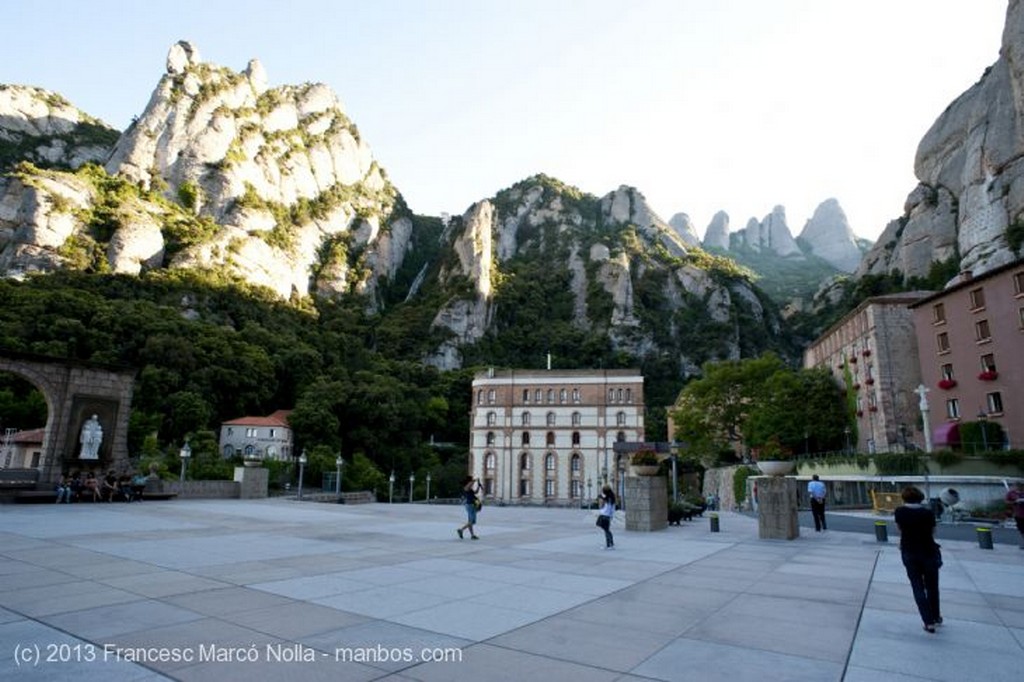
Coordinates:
702	105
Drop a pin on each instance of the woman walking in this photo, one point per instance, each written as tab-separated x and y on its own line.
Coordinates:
470	488
921	555
604	518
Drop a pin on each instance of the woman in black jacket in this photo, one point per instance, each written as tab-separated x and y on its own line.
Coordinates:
921	555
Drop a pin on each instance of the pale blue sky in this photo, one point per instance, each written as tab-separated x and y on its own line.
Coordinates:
700	104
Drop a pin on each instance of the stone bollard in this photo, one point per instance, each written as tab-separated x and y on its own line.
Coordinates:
714	522
984	537
881	531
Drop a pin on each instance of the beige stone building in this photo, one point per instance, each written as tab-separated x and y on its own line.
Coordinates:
971	340
547	437
268	437
872	353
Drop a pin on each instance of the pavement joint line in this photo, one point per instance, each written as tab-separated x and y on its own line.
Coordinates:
860	613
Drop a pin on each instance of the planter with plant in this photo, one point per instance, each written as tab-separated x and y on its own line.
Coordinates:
773	459
644	463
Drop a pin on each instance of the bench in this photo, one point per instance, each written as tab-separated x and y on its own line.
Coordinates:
19	479
885	503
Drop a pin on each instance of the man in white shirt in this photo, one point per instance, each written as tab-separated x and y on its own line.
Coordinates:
816	491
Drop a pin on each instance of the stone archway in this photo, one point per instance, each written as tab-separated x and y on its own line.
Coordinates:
75	391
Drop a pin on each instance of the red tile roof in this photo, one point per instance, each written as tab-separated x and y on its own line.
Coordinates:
278	418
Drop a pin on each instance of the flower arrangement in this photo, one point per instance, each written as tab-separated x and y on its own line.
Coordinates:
644	458
988	375
866	352
772	451
946	384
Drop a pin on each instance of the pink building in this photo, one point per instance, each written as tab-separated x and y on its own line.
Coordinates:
970	338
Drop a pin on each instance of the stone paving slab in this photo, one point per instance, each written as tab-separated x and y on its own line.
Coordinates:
281	589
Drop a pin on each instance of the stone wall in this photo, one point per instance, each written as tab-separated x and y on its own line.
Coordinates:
218	490
646	503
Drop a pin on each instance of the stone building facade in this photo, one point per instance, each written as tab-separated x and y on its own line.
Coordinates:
547	437
872	354
971	340
267	437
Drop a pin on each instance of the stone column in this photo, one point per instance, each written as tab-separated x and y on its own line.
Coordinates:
646	503
253	482
776	508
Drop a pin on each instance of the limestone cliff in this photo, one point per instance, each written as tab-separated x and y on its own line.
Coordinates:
828	235
969	204
770	235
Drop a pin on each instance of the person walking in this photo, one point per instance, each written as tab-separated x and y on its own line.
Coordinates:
1015	498
921	554
816	491
606	514
470	488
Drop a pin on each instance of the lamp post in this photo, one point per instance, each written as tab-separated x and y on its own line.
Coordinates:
590	494
807	438
391	488
428	487
903	436
302	470
846	432
339	463
622	482
412	483
983	422
184	453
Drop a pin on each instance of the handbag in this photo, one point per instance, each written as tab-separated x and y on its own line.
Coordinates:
478	504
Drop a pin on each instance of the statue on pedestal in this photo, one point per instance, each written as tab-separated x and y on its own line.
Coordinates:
90	438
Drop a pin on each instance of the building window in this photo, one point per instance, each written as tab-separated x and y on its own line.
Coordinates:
561	396
251	433
575	439
1018	283
550	440
988	362
249	450
575	395
551	419
611	395
526	438
480	397
574	464
489	487
942	340
629	395
575	418
620	437
525	418
618	395
551	395
549	462
490	396
537	395
977	299
620	418
1020	315
947	372
35	459
229	451
549	487
526	395
231	432
938	313
524	462
995	403
953	408
490	438
490	461
576	489
981	331
524	487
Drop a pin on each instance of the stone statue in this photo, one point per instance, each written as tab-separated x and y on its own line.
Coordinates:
92	436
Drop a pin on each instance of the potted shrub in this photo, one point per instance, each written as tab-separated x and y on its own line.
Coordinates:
946	384
773	459
644	463
988	375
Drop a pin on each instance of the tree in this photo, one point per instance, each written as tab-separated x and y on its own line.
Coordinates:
819	419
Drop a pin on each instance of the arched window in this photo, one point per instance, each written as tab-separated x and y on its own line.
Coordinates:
620	418
249	450
490	438
549	487
551	418
629	395
561	396
490	396
549	461
575	463
575	395
576	439
575	418
576	489
537	395
229	451
526	395
621	437
551	395
490	461
526	438
618	395
550	440
524	461
480	397
611	395
525	418
492	419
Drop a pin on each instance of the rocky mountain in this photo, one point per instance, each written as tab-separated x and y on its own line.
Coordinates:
716	236
44	129
274	187
828	235
968	205
770	235
683	226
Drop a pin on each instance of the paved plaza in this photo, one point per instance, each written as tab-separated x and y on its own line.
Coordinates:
286	590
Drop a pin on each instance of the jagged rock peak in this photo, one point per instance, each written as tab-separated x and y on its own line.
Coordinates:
770	235
829	236
628	205
181	56
717	234
42	127
970	165
683	226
